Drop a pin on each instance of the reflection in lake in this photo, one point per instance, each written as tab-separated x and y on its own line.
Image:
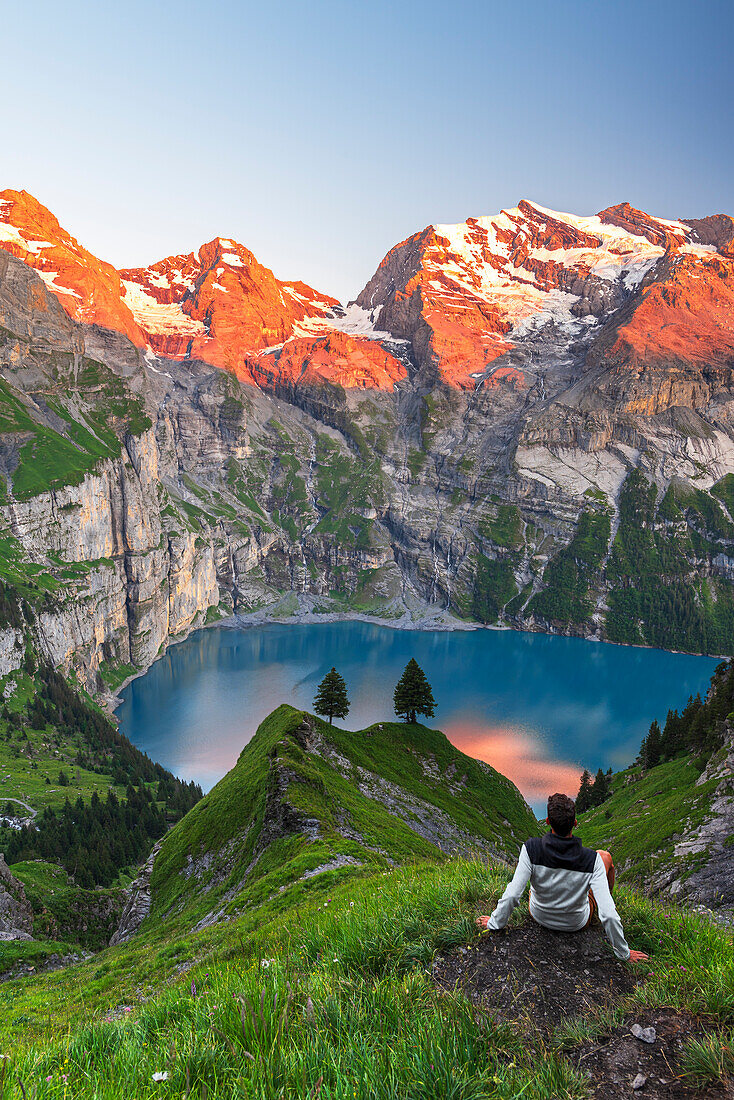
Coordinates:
538	708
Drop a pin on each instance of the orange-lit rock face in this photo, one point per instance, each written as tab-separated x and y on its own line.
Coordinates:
89	289
352	362
688	316
640	291
666	234
218	306
676	346
463	295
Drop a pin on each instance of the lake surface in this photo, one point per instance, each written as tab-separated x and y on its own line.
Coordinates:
538	708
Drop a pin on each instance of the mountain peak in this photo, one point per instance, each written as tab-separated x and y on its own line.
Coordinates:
464	296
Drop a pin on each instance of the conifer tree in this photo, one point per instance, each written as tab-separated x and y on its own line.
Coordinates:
598	790
331	697
583	798
652	747
413	693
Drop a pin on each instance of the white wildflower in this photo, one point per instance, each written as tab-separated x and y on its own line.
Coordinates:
160	1075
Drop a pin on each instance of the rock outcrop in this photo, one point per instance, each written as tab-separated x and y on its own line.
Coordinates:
16	915
711	883
138	901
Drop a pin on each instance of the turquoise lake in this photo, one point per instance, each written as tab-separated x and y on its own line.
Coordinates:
538	708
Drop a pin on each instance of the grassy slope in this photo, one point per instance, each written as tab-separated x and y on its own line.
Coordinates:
347	952
230	817
645	811
49	458
63	911
29	757
364	1015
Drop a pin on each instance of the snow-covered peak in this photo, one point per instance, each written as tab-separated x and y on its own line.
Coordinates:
531	261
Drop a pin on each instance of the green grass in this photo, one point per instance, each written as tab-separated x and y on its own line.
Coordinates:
113	674
63	911
34	582
710	1061
331	996
32	759
49	458
319	984
30	953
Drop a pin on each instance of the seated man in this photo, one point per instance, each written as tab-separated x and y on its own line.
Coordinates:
568	883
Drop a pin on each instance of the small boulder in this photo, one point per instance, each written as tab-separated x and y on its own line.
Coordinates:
644	1034
639	1082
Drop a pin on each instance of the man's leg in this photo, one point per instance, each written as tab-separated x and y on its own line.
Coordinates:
609	864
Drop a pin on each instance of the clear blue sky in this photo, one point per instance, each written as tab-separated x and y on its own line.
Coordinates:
319	134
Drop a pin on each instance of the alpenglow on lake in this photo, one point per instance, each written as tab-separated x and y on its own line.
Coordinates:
538	708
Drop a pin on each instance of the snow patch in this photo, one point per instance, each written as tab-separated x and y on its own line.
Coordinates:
11	234
50	277
702	251
356	321
159	318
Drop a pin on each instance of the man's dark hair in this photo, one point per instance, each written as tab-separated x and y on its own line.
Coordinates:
561	813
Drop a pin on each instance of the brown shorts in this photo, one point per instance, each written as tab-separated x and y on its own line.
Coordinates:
593	908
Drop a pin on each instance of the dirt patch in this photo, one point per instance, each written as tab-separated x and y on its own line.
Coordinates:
614	1061
541	979
533	974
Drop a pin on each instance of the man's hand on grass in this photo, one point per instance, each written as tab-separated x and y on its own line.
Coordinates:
482	923
638	957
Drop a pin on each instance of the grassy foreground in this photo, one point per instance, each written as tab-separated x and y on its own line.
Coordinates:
334	999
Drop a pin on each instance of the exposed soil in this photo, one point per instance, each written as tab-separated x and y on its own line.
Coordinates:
612	1062
538	976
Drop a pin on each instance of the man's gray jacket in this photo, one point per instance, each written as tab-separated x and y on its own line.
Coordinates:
561	872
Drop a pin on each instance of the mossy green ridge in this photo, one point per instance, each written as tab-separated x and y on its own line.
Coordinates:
60	443
305	795
66	913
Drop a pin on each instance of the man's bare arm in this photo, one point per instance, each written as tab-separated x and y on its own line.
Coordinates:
511	896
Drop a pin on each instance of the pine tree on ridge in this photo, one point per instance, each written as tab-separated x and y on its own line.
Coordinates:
413	695
331	699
